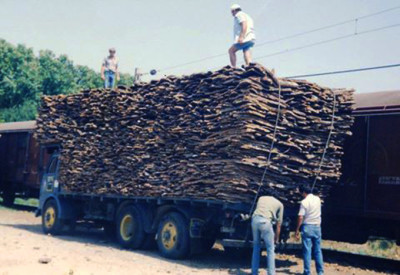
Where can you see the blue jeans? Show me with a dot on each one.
(244, 46)
(311, 239)
(110, 79)
(262, 228)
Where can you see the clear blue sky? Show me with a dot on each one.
(158, 34)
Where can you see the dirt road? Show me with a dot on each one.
(23, 247)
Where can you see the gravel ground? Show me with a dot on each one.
(24, 249)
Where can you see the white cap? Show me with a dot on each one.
(235, 7)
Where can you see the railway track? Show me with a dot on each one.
(345, 258)
(362, 261)
(332, 256)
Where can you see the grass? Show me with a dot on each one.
(376, 247)
(27, 202)
(24, 202)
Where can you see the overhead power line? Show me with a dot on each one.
(283, 38)
(347, 71)
(322, 42)
(325, 27)
(328, 41)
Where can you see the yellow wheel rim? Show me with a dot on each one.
(49, 217)
(169, 234)
(126, 228)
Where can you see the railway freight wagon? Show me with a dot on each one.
(366, 200)
(20, 156)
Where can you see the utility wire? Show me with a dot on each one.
(348, 71)
(325, 27)
(322, 42)
(284, 38)
(328, 41)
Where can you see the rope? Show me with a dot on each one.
(273, 143)
(327, 142)
(270, 150)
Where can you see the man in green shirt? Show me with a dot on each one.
(268, 211)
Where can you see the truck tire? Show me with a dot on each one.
(173, 236)
(8, 197)
(51, 223)
(130, 232)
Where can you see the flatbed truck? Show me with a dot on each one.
(178, 226)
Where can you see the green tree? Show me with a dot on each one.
(19, 80)
(125, 79)
(87, 78)
(24, 78)
(57, 74)
(25, 111)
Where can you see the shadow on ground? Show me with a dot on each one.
(19, 207)
(231, 262)
(214, 259)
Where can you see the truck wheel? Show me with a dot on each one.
(8, 197)
(51, 223)
(173, 236)
(130, 232)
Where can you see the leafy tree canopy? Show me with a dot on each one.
(25, 77)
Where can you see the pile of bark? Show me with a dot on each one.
(205, 136)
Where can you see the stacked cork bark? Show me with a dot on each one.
(204, 136)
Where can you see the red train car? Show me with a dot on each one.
(366, 201)
(19, 161)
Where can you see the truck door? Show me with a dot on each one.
(50, 181)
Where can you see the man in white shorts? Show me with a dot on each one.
(243, 35)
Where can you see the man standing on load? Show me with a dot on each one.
(309, 221)
(268, 211)
(109, 69)
(243, 35)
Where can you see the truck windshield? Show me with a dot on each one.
(53, 165)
